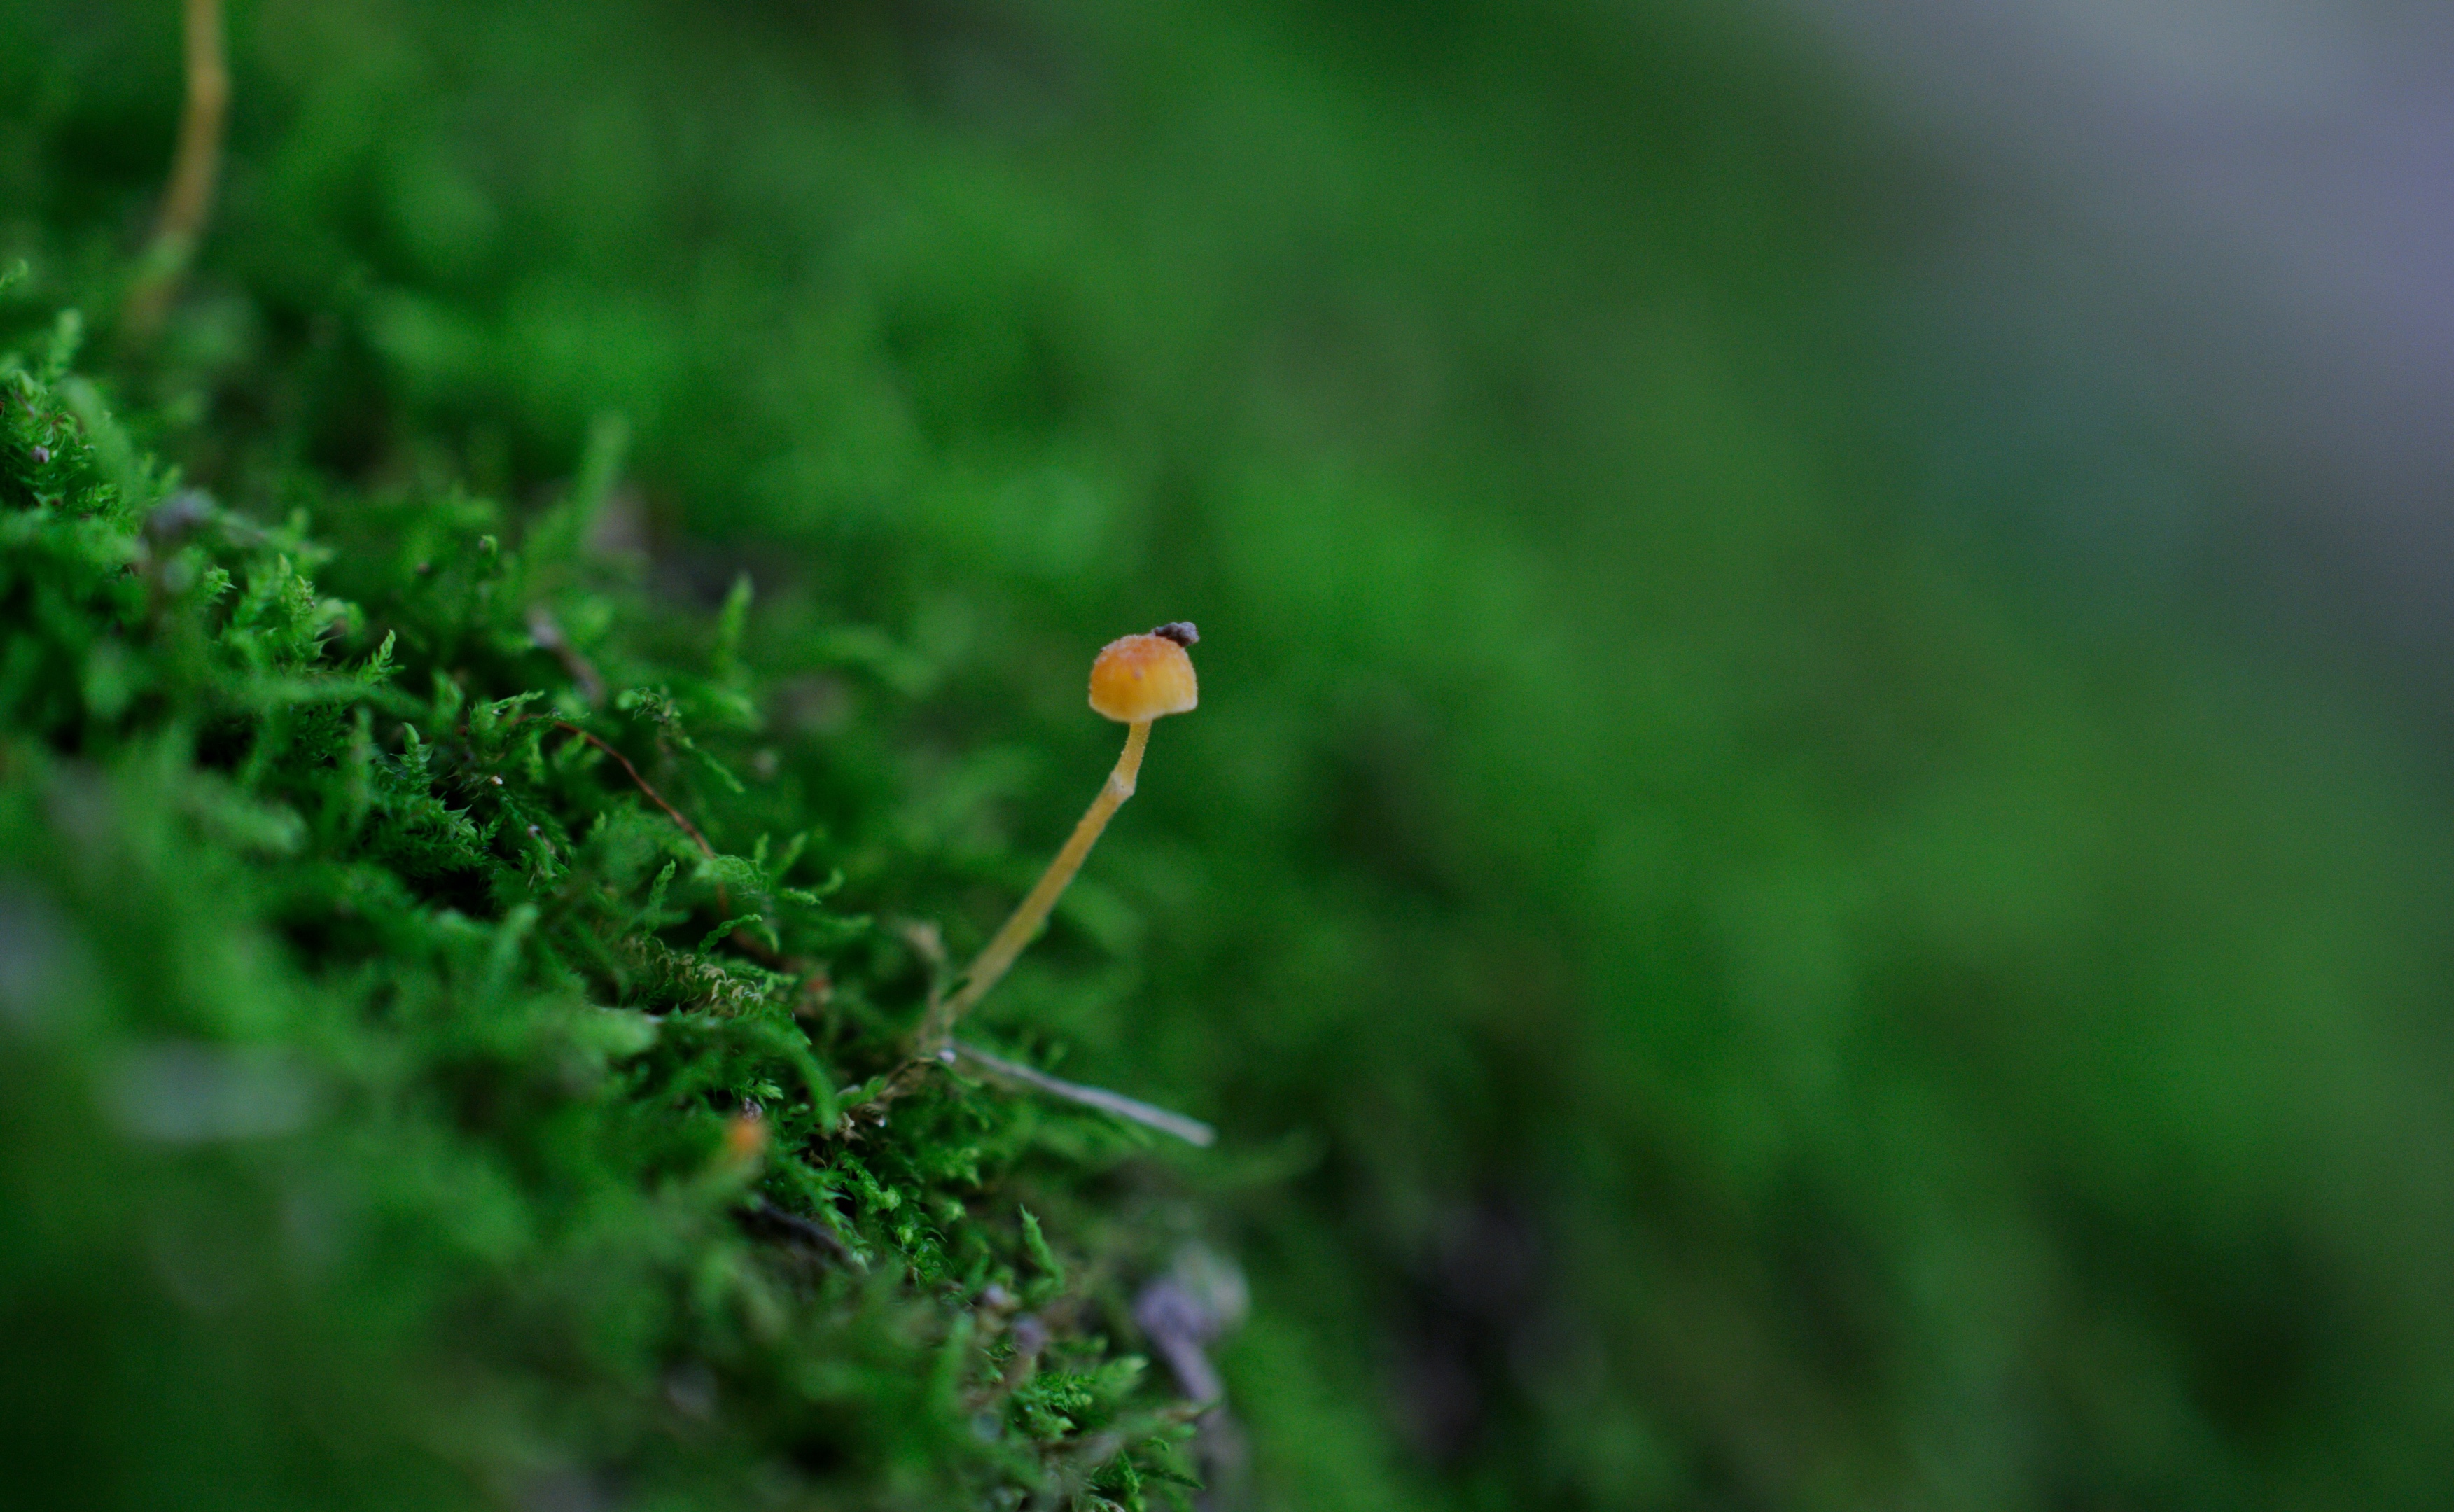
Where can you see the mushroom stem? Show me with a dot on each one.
(1032, 911)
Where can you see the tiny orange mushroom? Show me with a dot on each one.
(1144, 677)
(1136, 680)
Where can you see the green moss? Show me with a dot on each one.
(1714, 990)
(380, 927)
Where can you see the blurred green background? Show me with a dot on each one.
(1726, 984)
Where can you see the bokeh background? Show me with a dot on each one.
(1815, 872)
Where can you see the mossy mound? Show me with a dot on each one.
(490, 1093)
(1749, 940)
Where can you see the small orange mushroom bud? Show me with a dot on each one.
(1144, 677)
(745, 1137)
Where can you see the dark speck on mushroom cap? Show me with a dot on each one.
(1179, 631)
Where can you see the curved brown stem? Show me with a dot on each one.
(654, 797)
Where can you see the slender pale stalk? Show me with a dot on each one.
(1192, 1131)
(1032, 911)
(195, 165)
(197, 160)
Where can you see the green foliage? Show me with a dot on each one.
(436, 1052)
(1711, 996)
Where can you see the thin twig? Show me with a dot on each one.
(723, 898)
(195, 166)
(654, 797)
(1192, 1131)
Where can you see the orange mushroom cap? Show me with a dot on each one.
(1142, 677)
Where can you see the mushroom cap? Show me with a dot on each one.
(1142, 677)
